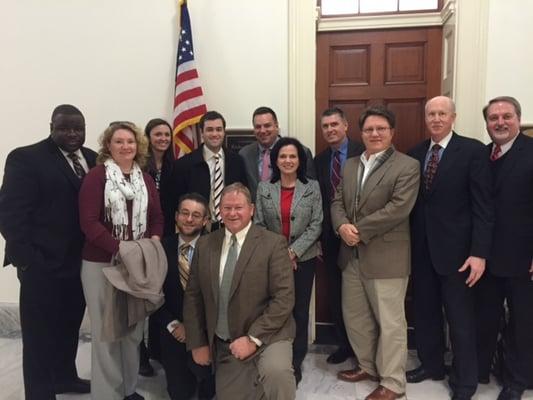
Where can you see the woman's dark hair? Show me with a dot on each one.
(302, 159)
(168, 156)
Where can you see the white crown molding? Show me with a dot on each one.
(387, 21)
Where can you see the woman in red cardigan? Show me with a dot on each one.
(117, 202)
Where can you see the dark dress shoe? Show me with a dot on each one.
(382, 393)
(355, 375)
(457, 396)
(76, 386)
(509, 393)
(339, 356)
(146, 369)
(421, 374)
(134, 396)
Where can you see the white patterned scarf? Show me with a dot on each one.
(117, 191)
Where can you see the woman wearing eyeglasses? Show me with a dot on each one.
(118, 202)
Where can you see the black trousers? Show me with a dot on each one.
(184, 376)
(51, 311)
(303, 286)
(330, 248)
(433, 292)
(491, 292)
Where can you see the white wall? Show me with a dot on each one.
(116, 60)
(509, 55)
(493, 59)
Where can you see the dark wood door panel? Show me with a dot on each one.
(398, 66)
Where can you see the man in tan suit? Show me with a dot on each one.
(238, 305)
(370, 212)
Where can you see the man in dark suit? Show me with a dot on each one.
(207, 169)
(256, 155)
(451, 229)
(510, 265)
(238, 305)
(39, 221)
(183, 375)
(329, 165)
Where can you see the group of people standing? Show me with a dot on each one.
(241, 234)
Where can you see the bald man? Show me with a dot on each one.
(451, 232)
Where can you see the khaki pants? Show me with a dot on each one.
(266, 376)
(114, 365)
(374, 315)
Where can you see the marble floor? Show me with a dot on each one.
(319, 380)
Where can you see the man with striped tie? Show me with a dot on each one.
(208, 168)
(183, 375)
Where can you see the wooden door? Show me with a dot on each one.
(398, 68)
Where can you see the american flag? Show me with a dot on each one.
(189, 104)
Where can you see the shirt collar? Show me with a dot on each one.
(262, 148)
(208, 154)
(444, 142)
(372, 157)
(66, 153)
(507, 146)
(241, 235)
(343, 148)
(192, 243)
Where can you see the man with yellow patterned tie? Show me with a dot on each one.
(183, 375)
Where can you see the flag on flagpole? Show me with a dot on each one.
(189, 104)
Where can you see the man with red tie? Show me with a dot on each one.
(510, 265)
(329, 164)
(451, 231)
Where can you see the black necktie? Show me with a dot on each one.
(78, 169)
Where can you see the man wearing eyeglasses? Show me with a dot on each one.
(370, 212)
(451, 230)
(184, 377)
(40, 223)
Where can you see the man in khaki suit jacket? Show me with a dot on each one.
(250, 339)
(370, 212)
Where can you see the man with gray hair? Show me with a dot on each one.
(451, 232)
(510, 265)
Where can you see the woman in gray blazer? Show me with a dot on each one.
(290, 204)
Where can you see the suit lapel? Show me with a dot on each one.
(275, 196)
(62, 164)
(248, 247)
(215, 250)
(299, 191)
(509, 162)
(326, 173)
(349, 181)
(374, 179)
(447, 161)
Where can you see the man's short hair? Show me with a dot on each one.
(505, 99)
(66, 109)
(197, 197)
(379, 111)
(239, 188)
(265, 110)
(333, 111)
(211, 116)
